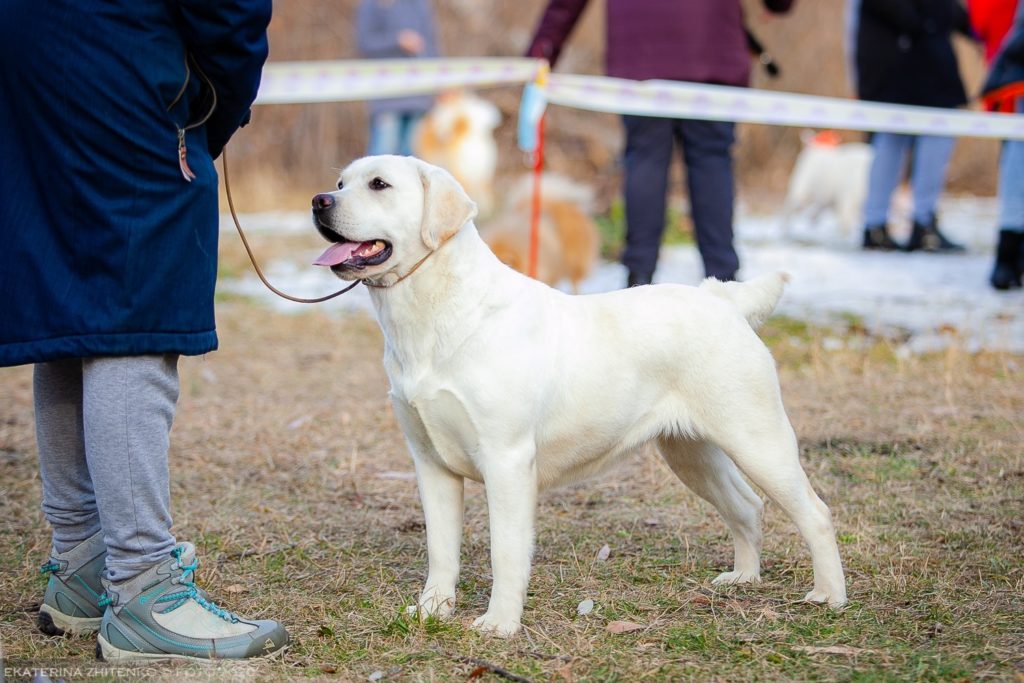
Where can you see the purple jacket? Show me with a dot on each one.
(681, 40)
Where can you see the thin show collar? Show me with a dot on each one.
(413, 269)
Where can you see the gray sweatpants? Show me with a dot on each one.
(103, 430)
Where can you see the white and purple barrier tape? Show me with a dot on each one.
(747, 105)
(340, 81)
(350, 81)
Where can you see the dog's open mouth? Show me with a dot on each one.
(358, 255)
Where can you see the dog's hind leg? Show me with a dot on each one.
(764, 447)
(849, 210)
(705, 469)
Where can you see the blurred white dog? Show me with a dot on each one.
(828, 175)
(457, 134)
(498, 378)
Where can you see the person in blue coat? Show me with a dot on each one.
(112, 112)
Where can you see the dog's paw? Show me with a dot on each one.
(821, 597)
(497, 626)
(732, 578)
(432, 605)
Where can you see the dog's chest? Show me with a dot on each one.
(439, 427)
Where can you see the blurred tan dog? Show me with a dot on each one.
(568, 239)
(457, 134)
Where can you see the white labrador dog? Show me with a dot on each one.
(828, 175)
(501, 379)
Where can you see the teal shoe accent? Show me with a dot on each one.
(73, 591)
(163, 615)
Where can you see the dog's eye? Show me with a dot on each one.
(340, 185)
(378, 184)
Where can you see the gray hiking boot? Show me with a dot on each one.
(161, 615)
(72, 595)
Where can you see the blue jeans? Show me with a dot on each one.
(707, 152)
(1011, 166)
(391, 132)
(1012, 185)
(927, 175)
(1011, 182)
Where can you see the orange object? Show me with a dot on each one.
(538, 167)
(827, 138)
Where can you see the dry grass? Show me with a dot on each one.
(291, 477)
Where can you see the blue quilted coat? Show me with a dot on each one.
(108, 239)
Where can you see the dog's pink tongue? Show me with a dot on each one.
(337, 253)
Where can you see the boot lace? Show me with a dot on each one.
(191, 591)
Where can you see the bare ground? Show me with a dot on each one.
(291, 477)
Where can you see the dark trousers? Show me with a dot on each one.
(708, 158)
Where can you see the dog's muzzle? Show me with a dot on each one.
(345, 254)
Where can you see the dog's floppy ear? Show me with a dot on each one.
(446, 206)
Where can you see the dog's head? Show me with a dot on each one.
(387, 214)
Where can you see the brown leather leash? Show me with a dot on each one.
(259, 271)
(252, 258)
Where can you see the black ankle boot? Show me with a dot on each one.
(636, 279)
(926, 237)
(1009, 260)
(877, 237)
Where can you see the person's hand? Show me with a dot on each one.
(411, 42)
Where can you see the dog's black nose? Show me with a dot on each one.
(323, 201)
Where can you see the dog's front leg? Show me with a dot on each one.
(511, 484)
(441, 493)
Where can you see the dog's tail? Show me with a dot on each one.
(755, 298)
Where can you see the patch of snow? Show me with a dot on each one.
(923, 301)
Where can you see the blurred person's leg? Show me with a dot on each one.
(128, 408)
(889, 153)
(1008, 269)
(927, 179)
(385, 133)
(407, 127)
(928, 174)
(1011, 186)
(649, 144)
(707, 151)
